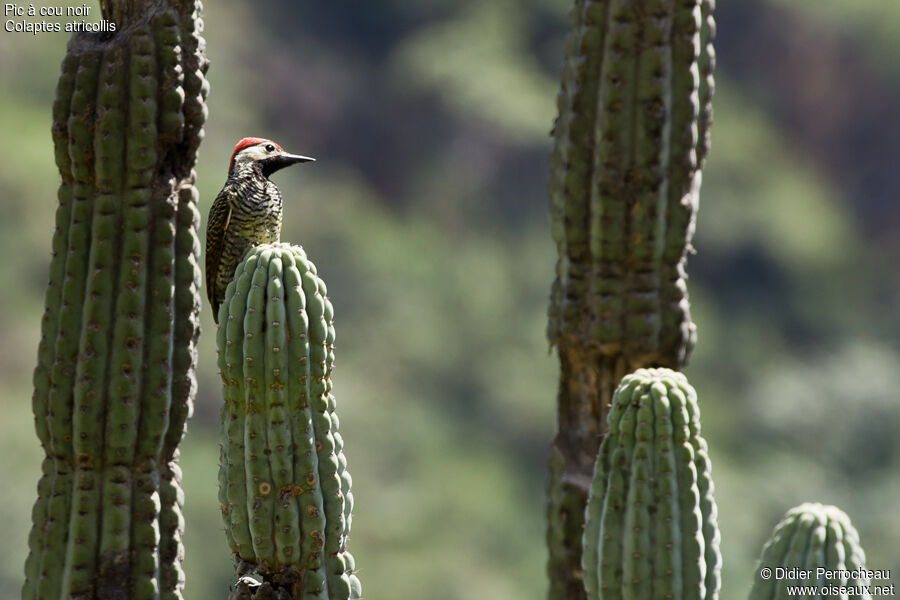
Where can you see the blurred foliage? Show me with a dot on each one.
(479, 65)
(426, 215)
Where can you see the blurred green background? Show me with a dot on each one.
(426, 213)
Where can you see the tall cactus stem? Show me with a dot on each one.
(630, 138)
(114, 381)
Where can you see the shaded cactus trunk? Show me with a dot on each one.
(630, 141)
(651, 529)
(812, 536)
(284, 487)
(115, 376)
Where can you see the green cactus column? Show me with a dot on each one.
(809, 537)
(284, 487)
(630, 141)
(115, 376)
(650, 526)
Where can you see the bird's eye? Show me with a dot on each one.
(270, 148)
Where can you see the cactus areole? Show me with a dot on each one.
(650, 525)
(284, 487)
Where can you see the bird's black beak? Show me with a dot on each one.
(276, 163)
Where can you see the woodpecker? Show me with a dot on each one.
(247, 212)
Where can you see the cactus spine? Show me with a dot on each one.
(283, 482)
(650, 524)
(630, 140)
(115, 376)
(812, 536)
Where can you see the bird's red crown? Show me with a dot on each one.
(246, 142)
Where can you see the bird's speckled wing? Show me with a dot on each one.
(216, 228)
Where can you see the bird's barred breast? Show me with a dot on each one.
(255, 219)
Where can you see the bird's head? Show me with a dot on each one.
(264, 154)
